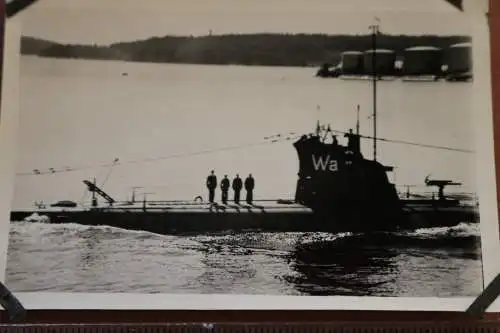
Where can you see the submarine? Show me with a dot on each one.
(338, 189)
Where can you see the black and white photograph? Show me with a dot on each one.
(274, 148)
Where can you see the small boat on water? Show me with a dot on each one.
(326, 72)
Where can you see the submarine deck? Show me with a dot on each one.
(262, 207)
(179, 207)
(263, 216)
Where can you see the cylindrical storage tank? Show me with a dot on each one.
(352, 62)
(384, 62)
(458, 58)
(422, 60)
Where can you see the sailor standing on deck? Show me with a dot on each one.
(237, 186)
(249, 186)
(211, 185)
(224, 186)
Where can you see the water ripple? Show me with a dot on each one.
(71, 257)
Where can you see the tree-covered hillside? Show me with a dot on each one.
(249, 49)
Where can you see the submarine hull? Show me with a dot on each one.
(337, 190)
(247, 219)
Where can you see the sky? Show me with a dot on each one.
(109, 21)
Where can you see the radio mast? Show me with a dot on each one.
(375, 30)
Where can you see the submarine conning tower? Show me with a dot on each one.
(339, 183)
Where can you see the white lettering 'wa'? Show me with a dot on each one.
(324, 163)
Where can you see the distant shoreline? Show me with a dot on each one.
(277, 50)
(168, 63)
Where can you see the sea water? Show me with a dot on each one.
(440, 262)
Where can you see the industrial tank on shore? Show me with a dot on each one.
(458, 58)
(385, 62)
(351, 63)
(422, 60)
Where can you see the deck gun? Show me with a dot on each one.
(441, 184)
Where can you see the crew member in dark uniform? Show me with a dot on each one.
(211, 185)
(224, 186)
(237, 186)
(249, 186)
